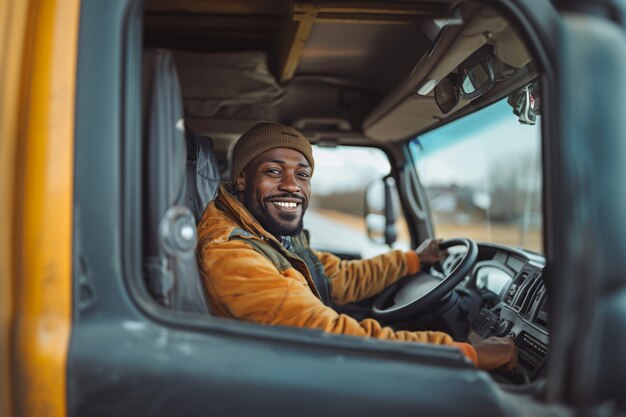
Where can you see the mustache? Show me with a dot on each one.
(287, 195)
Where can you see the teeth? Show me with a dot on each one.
(285, 204)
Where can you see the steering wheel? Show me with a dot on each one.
(422, 291)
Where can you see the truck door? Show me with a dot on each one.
(585, 208)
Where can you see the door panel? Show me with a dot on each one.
(586, 206)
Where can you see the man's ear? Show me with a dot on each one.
(240, 183)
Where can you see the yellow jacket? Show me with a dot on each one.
(245, 284)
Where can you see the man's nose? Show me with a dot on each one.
(289, 184)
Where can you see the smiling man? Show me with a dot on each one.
(257, 265)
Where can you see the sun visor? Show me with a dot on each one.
(237, 81)
(411, 106)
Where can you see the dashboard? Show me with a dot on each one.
(516, 305)
(503, 295)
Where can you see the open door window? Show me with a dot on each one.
(394, 77)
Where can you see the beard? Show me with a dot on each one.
(269, 223)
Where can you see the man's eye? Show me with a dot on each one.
(304, 174)
(273, 171)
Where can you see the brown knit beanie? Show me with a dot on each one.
(265, 136)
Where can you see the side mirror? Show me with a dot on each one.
(381, 212)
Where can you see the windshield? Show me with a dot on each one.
(335, 215)
(482, 175)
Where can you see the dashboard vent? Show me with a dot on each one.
(512, 291)
(526, 283)
(528, 296)
(530, 300)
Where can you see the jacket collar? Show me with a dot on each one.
(227, 202)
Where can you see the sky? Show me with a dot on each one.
(466, 151)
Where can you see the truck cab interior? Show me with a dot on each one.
(392, 97)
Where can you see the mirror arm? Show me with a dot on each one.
(391, 232)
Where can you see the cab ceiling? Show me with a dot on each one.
(289, 32)
(336, 60)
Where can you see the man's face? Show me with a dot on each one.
(276, 189)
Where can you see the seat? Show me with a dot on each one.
(203, 173)
(181, 176)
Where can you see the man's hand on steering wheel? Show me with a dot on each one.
(421, 292)
(430, 253)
